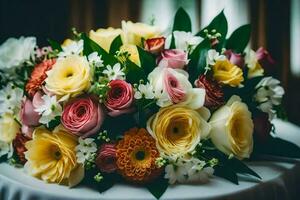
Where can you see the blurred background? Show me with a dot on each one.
(275, 25)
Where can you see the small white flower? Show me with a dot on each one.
(213, 56)
(74, 48)
(114, 72)
(269, 93)
(144, 91)
(184, 40)
(85, 149)
(49, 109)
(95, 60)
(14, 52)
(188, 170)
(6, 149)
(10, 99)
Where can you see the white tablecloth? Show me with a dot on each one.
(280, 181)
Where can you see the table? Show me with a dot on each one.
(280, 180)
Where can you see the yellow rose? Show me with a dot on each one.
(52, 157)
(134, 32)
(8, 128)
(134, 54)
(104, 37)
(69, 76)
(232, 128)
(255, 69)
(227, 73)
(178, 129)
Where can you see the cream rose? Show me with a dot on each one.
(178, 129)
(69, 76)
(133, 51)
(232, 128)
(134, 32)
(104, 37)
(171, 86)
(8, 128)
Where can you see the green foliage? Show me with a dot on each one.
(54, 45)
(219, 23)
(158, 186)
(239, 39)
(182, 21)
(147, 60)
(54, 123)
(197, 62)
(90, 46)
(115, 45)
(133, 72)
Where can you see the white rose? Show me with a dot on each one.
(14, 52)
(232, 128)
(171, 86)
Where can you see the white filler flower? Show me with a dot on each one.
(114, 72)
(269, 93)
(6, 149)
(74, 48)
(213, 56)
(10, 99)
(85, 149)
(49, 109)
(144, 91)
(184, 40)
(95, 60)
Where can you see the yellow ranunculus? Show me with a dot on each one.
(134, 54)
(52, 157)
(178, 129)
(69, 76)
(134, 32)
(104, 37)
(227, 73)
(8, 128)
(67, 42)
(232, 128)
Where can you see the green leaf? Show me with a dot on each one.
(54, 123)
(239, 39)
(90, 46)
(227, 173)
(158, 187)
(115, 45)
(134, 73)
(198, 60)
(54, 45)
(278, 147)
(147, 60)
(182, 21)
(241, 168)
(219, 23)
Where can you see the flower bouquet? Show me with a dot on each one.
(137, 106)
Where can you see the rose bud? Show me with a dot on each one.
(119, 98)
(265, 60)
(214, 42)
(83, 116)
(214, 94)
(262, 127)
(106, 159)
(173, 58)
(27, 114)
(19, 147)
(235, 58)
(155, 45)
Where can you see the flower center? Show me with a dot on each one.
(80, 111)
(117, 92)
(56, 153)
(140, 155)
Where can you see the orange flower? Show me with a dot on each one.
(136, 155)
(38, 76)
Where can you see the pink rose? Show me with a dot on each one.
(155, 45)
(176, 93)
(82, 116)
(265, 60)
(173, 58)
(119, 98)
(106, 159)
(27, 114)
(235, 58)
